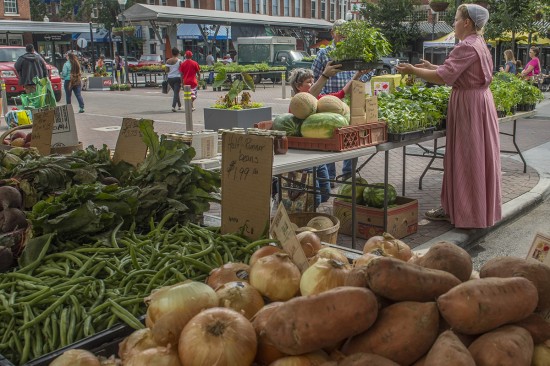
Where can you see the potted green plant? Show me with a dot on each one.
(439, 5)
(361, 48)
(128, 30)
(235, 109)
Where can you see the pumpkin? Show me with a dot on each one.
(303, 105)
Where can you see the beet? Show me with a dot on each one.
(10, 197)
(109, 180)
(6, 259)
(12, 219)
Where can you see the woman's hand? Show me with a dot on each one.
(360, 73)
(425, 64)
(332, 69)
(404, 68)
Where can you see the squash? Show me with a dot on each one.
(330, 103)
(303, 105)
(322, 125)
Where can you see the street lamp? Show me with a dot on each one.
(122, 4)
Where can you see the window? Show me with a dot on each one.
(323, 9)
(274, 7)
(196, 4)
(163, 2)
(314, 9)
(246, 6)
(332, 10)
(151, 2)
(286, 10)
(10, 7)
(181, 4)
(232, 5)
(153, 48)
(219, 5)
(151, 33)
(297, 8)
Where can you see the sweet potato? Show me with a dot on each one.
(403, 281)
(403, 333)
(362, 359)
(537, 327)
(447, 257)
(448, 350)
(533, 270)
(266, 353)
(308, 323)
(506, 346)
(478, 306)
(421, 361)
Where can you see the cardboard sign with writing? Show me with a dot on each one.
(64, 128)
(281, 229)
(357, 105)
(129, 145)
(42, 128)
(247, 164)
(372, 109)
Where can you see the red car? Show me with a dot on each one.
(8, 57)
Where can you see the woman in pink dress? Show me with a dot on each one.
(471, 192)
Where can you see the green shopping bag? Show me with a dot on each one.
(43, 97)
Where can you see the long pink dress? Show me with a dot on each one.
(471, 193)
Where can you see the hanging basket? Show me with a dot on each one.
(485, 4)
(438, 6)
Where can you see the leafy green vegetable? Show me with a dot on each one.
(361, 41)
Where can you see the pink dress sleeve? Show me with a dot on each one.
(460, 58)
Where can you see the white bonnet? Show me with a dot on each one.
(478, 14)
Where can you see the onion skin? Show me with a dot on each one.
(324, 275)
(264, 252)
(229, 272)
(76, 357)
(138, 341)
(364, 260)
(266, 353)
(276, 277)
(218, 336)
(330, 253)
(171, 307)
(310, 243)
(318, 358)
(241, 297)
(389, 245)
(159, 356)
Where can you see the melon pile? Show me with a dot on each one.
(313, 118)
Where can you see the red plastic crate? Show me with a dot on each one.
(343, 139)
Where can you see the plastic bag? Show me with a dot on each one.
(18, 117)
(43, 97)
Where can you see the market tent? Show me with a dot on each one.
(445, 42)
(536, 39)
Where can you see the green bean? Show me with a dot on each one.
(88, 328)
(113, 235)
(55, 329)
(27, 337)
(125, 315)
(8, 330)
(31, 266)
(49, 310)
(71, 330)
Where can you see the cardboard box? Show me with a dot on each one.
(384, 83)
(205, 144)
(402, 219)
(357, 120)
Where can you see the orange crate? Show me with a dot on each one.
(344, 138)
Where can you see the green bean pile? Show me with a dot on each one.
(63, 297)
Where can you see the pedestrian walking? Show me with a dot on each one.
(189, 70)
(28, 66)
(174, 77)
(471, 192)
(118, 68)
(210, 62)
(72, 80)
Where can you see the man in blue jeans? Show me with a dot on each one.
(335, 84)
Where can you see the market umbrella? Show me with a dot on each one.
(507, 37)
(321, 43)
(537, 39)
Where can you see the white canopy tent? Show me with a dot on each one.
(445, 43)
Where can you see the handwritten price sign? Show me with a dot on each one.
(247, 163)
(129, 145)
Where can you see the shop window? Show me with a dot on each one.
(219, 5)
(153, 48)
(151, 33)
(286, 10)
(10, 7)
(323, 9)
(163, 2)
(275, 7)
(196, 4)
(246, 6)
(182, 3)
(314, 9)
(332, 10)
(232, 5)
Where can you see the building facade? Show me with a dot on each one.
(14, 10)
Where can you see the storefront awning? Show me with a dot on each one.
(192, 31)
(20, 26)
(101, 35)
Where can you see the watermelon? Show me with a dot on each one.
(345, 190)
(287, 122)
(322, 125)
(374, 195)
(303, 105)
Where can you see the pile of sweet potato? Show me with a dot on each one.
(428, 310)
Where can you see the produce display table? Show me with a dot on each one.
(149, 77)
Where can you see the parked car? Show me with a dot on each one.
(146, 60)
(389, 66)
(8, 57)
(132, 61)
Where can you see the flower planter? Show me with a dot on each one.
(99, 83)
(407, 136)
(215, 118)
(438, 6)
(352, 65)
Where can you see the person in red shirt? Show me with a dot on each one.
(189, 70)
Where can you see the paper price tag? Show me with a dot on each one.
(129, 145)
(281, 229)
(42, 129)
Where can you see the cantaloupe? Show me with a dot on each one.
(330, 103)
(320, 223)
(303, 105)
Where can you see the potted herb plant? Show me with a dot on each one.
(235, 109)
(361, 48)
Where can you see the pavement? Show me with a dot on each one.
(521, 192)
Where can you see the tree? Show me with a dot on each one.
(396, 20)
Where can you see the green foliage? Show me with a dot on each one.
(361, 41)
(234, 99)
(509, 90)
(396, 20)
